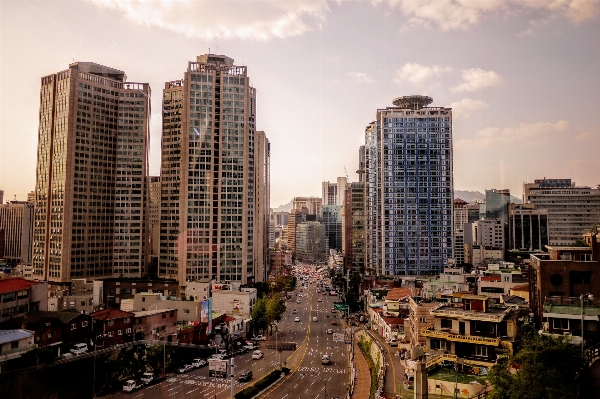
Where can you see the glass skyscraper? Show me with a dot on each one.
(409, 188)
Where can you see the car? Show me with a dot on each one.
(216, 357)
(334, 323)
(257, 355)
(245, 376)
(298, 301)
(333, 310)
(315, 319)
(185, 368)
(325, 359)
(297, 319)
(294, 311)
(199, 363)
(320, 300)
(147, 378)
(250, 346)
(259, 338)
(330, 331)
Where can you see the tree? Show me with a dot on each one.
(267, 310)
(548, 368)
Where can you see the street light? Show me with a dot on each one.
(319, 378)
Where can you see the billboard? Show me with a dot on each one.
(217, 368)
(209, 328)
(339, 306)
(338, 337)
(204, 312)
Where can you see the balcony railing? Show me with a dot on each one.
(469, 314)
(430, 332)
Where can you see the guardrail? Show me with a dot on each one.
(430, 332)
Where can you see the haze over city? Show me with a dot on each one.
(522, 77)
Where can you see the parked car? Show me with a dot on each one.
(147, 378)
(216, 356)
(199, 363)
(250, 346)
(132, 385)
(79, 349)
(259, 338)
(333, 310)
(257, 355)
(185, 368)
(297, 319)
(245, 375)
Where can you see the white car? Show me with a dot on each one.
(259, 338)
(297, 319)
(330, 331)
(257, 355)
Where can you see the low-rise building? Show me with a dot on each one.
(13, 344)
(187, 311)
(419, 317)
(565, 316)
(113, 327)
(444, 284)
(19, 296)
(476, 332)
(56, 328)
(156, 325)
(198, 290)
(233, 300)
(117, 289)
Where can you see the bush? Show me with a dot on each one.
(263, 383)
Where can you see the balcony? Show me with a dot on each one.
(430, 332)
(493, 314)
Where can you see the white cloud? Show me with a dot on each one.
(534, 134)
(360, 77)
(476, 78)
(258, 20)
(463, 14)
(417, 73)
(464, 107)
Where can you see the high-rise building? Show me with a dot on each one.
(354, 228)
(1, 196)
(409, 188)
(310, 242)
(294, 219)
(527, 227)
(208, 174)
(92, 164)
(332, 220)
(154, 216)
(333, 193)
(571, 210)
(496, 204)
(30, 197)
(262, 220)
(16, 219)
(313, 205)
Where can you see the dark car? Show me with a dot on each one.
(245, 376)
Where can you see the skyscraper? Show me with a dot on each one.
(263, 206)
(496, 204)
(409, 188)
(208, 174)
(16, 219)
(92, 164)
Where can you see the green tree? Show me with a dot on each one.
(259, 314)
(548, 368)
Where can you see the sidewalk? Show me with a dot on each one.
(362, 382)
(394, 372)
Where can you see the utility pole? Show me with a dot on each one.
(232, 378)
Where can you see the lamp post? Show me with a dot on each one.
(319, 378)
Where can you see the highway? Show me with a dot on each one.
(309, 376)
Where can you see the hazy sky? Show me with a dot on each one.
(522, 77)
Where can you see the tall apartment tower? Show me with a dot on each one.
(154, 216)
(16, 219)
(92, 164)
(409, 188)
(262, 220)
(209, 174)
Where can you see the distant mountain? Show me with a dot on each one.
(285, 208)
(471, 196)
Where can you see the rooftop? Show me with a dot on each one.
(15, 284)
(110, 314)
(7, 336)
(145, 313)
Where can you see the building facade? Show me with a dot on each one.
(208, 174)
(333, 222)
(311, 245)
(409, 198)
(527, 227)
(496, 204)
(92, 164)
(16, 219)
(354, 228)
(262, 220)
(334, 193)
(154, 216)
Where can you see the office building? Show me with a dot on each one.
(409, 188)
(294, 219)
(527, 227)
(333, 193)
(571, 210)
(209, 211)
(16, 219)
(92, 163)
(313, 205)
(311, 242)
(354, 228)
(333, 222)
(154, 216)
(496, 204)
(30, 197)
(1, 196)
(263, 207)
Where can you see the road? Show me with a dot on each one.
(311, 378)
(197, 384)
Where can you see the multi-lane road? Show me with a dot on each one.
(308, 379)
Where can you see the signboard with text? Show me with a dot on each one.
(217, 368)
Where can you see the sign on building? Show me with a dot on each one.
(217, 368)
(338, 337)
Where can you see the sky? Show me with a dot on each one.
(522, 77)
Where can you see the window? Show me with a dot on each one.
(481, 350)
(14, 345)
(84, 324)
(111, 322)
(164, 315)
(82, 303)
(126, 320)
(143, 299)
(422, 319)
(560, 324)
(73, 326)
(446, 323)
(128, 331)
(186, 311)
(120, 332)
(440, 344)
(110, 334)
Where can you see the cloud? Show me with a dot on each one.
(463, 14)
(417, 73)
(256, 20)
(535, 134)
(360, 77)
(464, 107)
(476, 78)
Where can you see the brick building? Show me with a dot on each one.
(113, 326)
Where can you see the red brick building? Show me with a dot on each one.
(113, 327)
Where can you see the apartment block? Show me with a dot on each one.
(154, 216)
(16, 219)
(92, 164)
